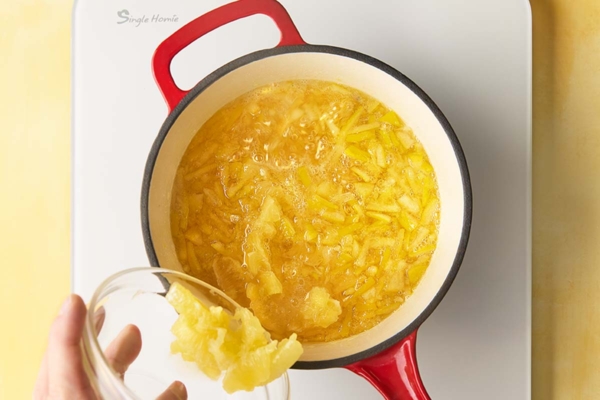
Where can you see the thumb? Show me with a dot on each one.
(66, 376)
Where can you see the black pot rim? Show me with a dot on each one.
(462, 163)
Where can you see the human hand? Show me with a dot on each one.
(62, 375)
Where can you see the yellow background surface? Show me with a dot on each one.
(34, 182)
(35, 192)
(566, 199)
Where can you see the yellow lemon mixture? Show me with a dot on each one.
(309, 202)
(236, 347)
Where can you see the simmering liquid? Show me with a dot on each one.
(311, 203)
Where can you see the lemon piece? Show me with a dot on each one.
(410, 204)
(379, 216)
(416, 272)
(365, 127)
(361, 174)
(333, 128)
(269, 283)
(236, 346)
(416, 160)
(430, 211)
(406, 140)
(360, 136)
(287, 353)
(333, 216)
(317, 203)
(320, 309)
(304, 176)
(407, 221)
(270, 211)
(252, 335)
(194, 346)
(185, 303)
(192, 258)
(357, 154)
(391, 118)
(311, 233)
(287, 227)
(252, 369)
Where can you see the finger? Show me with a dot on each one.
(41, 383)
(176, 391)
(66, 376)
(124, 349)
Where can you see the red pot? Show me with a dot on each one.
(385, 354)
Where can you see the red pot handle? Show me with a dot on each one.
(394, 372)
(208, 22)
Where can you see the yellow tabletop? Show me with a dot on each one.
(34, 182)
(35, 192)
(566, 199)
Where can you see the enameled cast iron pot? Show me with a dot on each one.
(385, 354)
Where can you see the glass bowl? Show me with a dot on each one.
(137, 297)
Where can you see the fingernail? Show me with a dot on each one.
(65, 306)
(179, 390)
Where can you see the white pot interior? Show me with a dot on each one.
(362, 76)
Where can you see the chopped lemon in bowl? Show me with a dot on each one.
(236, 345)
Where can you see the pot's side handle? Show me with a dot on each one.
(394, 371)
(208, 22)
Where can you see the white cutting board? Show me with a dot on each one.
(473, 57)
